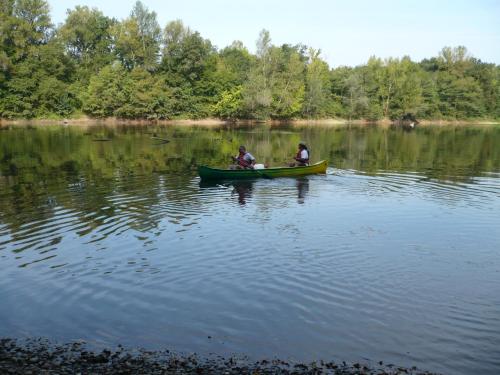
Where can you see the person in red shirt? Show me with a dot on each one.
(244, 160)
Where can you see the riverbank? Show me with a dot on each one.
(88, 121)
(38, 356)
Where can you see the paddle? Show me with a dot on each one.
(262, 174)
(258, 171)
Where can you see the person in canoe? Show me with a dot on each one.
(302, 157)
(244, 160)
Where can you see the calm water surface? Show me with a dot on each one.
(107, 235)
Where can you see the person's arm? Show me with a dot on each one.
(304, 156)
(251, 160)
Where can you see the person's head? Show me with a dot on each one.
(243, 149)
(302, 146)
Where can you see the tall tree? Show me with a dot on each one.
(287, 84)
(149, 33)
(137, 39)
(34, 25)
(189, 62)
(318, 86)
(256, 92)
(145, 96)
(456, 60)
(376, 87)
(234, 64)
(488, 77)
(407, 98)
(186, 54)
(7, 47)
(460, 94)
(86, 35)
(38, 78)
(105, 94)
(354, 98)
(429, 108)
(459, 97)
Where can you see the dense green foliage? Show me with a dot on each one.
(133, 68)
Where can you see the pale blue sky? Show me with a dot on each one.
(347, 32)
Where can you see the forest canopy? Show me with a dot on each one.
(136, 68)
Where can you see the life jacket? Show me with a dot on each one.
(242, 161)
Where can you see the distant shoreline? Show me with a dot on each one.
(88, 121)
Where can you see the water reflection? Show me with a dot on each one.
(302, 189)
(243, 189)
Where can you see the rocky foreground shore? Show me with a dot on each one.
(38, 356)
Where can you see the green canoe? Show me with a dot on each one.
(207, 173)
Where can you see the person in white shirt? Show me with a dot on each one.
(302, 157)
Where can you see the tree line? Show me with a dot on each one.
(133, 68)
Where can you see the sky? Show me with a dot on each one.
(346, 32)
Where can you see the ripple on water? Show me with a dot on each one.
(384, 266)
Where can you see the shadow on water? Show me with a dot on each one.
(302, 189)
(244, 189)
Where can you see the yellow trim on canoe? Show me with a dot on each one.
(207, 173)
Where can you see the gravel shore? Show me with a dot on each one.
(38, 356)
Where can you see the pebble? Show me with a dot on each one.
(38, 357)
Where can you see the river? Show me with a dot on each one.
(107, 235)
